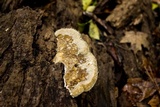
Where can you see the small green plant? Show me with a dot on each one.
(89, 6)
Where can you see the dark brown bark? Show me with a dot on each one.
(28, 77)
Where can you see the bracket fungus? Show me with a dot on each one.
(80, 65)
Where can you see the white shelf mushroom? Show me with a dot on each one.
(81, 70)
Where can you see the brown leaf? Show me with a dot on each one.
(155, 101)
(139, 89)
(137, 39)
(156, 1)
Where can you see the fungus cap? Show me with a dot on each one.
(81, 70)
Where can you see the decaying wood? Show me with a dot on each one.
(9, 4)
(126, 12)
(28, 77)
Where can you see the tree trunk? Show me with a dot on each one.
(29, 78)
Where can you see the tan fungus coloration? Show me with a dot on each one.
(81, 70)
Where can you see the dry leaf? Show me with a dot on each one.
(155, 101)
(156, 1)
(138, 19)
(137, 39)
(138, 89)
